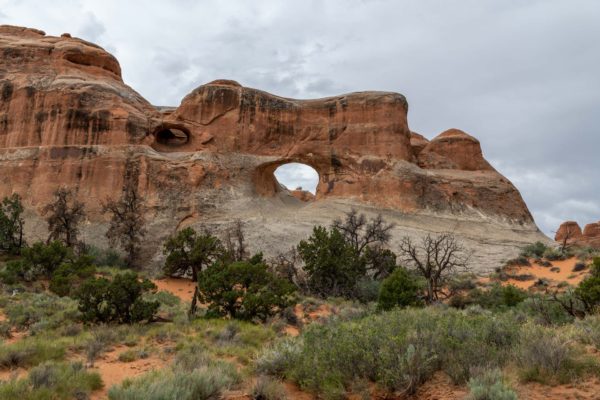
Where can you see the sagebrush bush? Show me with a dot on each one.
(278, 358)
(398, 349)
(553, 254)
(202, 383)
(56, 381)
(544, 353)
(490, 385)
(267, 388)
(28, 309)
(588, 330)
(497, 297)
(534, 250)
(30, 352)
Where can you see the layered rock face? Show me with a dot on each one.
(67, 119)
(571, 232)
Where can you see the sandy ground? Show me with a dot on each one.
(114, 371)
(564, 274)
(182, 288)
(584, 390)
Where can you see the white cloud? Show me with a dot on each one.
(294, 175)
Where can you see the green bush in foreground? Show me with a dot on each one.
(30, 352)
(490, 385)
(56, 381)
(194, 376)
(401, 349)
(267, 388)
(398, 349)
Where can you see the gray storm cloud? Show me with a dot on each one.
(520, 75)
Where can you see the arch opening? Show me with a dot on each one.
(301, 180)
(172, 137)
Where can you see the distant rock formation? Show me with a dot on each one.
(302, 195)
(67, 119)
(571, 232)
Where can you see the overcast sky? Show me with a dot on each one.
(522, 76)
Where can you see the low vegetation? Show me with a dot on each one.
(339, 314)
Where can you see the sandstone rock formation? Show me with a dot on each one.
(67, 119)
(571, 232)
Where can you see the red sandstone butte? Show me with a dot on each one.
(571, 231)
(68, 119)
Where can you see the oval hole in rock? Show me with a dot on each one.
(172, 137)
(300, 179)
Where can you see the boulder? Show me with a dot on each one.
(454, 149)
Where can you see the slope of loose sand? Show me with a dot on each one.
(563, 274)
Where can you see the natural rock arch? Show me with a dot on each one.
(68, 119)
(266, 184)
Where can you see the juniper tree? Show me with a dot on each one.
(11, 224)
(63, 216)
(127, 223)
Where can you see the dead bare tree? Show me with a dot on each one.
(361, 233)
(64, 215)
(286, 266)
(564, 243)
(235, 241)
(127, 222)
(437, 259)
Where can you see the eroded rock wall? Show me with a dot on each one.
(67, 119)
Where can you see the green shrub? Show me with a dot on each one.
(267, 388)
(189, 252)
(497, 297)
(544, 310)
(56, 381)
(44, 259)
(16, 271)
(589, 330)
(30, 352)
(185, 381)
(588, 291)
(68, 276)
(41, 311)
(11, 224)
(116, 301)
(278, 358)
(553, 254)
(332, 265)
(400, 289)
(243, 290)
(105, 257)
(534, 250)
(543, 353)
(399, 349)
(367, 290)
(490, 385)
(5, 330)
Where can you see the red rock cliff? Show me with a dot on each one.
(67, 119)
